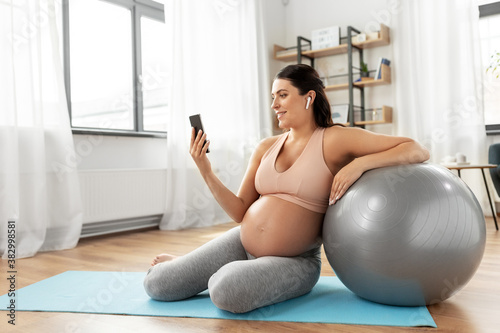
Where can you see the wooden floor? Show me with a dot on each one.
(474, 309)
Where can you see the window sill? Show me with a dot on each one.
(95, 131)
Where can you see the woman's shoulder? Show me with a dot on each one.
(334, 131)
(266, 143)
(339, 138)
(263, 146)
(337, 130)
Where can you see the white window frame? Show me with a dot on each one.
(138, 9)
(488, 10)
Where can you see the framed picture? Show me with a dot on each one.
(339, 113)
(326, 37)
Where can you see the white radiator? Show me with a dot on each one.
(120, 200)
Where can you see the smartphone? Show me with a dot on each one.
(197, 124)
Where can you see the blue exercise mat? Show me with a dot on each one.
(123, 293)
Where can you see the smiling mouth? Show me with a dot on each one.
(280, 114)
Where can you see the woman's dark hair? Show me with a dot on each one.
(305, 78)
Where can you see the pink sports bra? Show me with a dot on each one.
(306, 183)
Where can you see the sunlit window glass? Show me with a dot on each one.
(490, 49)
(155, 74)
(101, 65)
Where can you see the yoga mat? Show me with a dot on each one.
(123, 293)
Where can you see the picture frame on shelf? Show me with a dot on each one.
(340, 113)
(325, 38)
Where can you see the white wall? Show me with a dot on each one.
(275, 28)
(118, 152)
(304, 16)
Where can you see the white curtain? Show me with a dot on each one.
(39, 189)
(437, 78)
(220, 71)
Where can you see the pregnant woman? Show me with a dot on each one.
(290, 181)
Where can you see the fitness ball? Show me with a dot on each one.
(405, 235)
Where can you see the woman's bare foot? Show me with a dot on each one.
(161, 258)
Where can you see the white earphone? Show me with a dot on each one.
(308, 102)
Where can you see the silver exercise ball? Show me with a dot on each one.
(405, 235)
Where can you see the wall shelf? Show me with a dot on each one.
(384, 118)
(342, 48)
(288, 56)
(371, 82)
(383, 39)
(384, 79)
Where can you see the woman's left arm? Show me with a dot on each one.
(370, 151)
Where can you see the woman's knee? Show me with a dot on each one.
(160, 286)
(227, 293)
(152, 285)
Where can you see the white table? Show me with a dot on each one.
(459, 167)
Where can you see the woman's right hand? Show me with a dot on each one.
(198, 150)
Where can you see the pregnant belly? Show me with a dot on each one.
(275, 227)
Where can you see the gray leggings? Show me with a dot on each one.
(237, 281)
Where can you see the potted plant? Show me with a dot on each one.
(364, 70)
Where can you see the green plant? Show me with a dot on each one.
(494, 64)
(364, 70)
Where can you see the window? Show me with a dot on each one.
(489, 30)
(155, 74)
(116, 59)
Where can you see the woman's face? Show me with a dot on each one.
(288, 104)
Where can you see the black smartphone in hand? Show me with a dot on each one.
(197, 124)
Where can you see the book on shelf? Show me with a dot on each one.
(378, 73)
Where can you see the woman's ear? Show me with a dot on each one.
(311, 95)
(308, 102)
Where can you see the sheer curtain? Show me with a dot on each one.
(39, 189)
(437, 78)
(219, 71)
